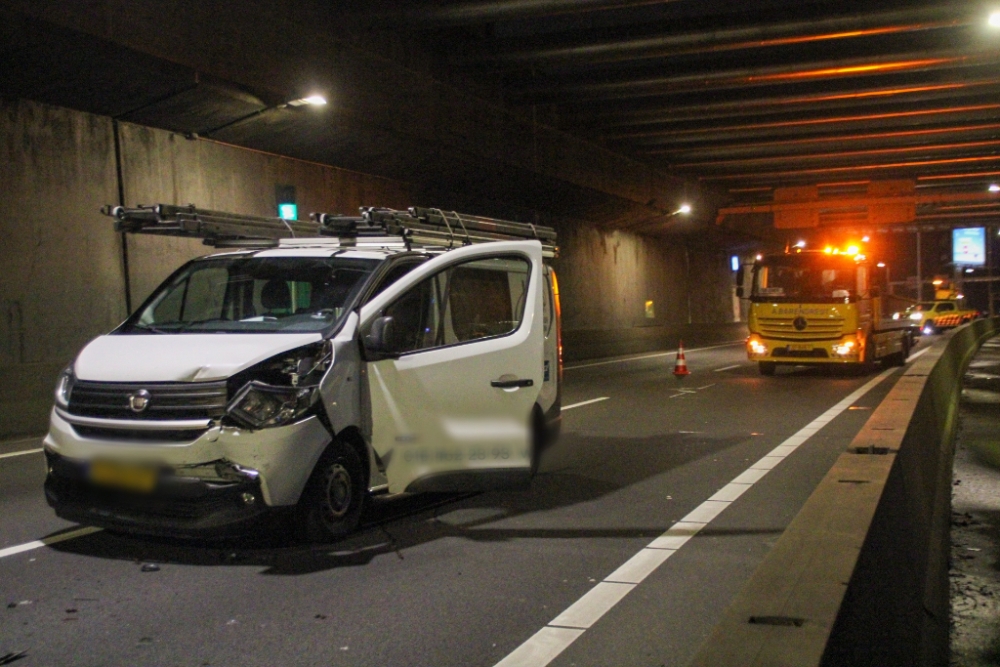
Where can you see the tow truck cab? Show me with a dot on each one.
(297, 377)
(819, 308)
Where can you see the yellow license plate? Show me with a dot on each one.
(123, 476)
(800, 347)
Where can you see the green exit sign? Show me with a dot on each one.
(287, 208)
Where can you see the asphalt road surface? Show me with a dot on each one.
(570, 572)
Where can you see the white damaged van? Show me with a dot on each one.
(311, 365)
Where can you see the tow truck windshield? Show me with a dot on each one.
(804, 277)
(252, 295)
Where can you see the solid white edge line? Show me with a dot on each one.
(21, 453)
(38, 544)
(543, 647)
(727, 368)
(640, 566)
(650, 356)
(595, 603)
(583, 403)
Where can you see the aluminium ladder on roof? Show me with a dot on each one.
(421, 226)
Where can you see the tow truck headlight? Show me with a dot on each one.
(916, 316)
(261, 405)
(756, 345)
(64, 386)
(846, 348)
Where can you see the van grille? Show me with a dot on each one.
(783, 328)
(167, 401)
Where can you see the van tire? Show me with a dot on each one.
(540, 438)
(331, 504)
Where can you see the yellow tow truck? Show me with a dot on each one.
(820, 307)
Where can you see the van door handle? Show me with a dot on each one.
(512, 384)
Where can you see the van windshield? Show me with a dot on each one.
(253, 295)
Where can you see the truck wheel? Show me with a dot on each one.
(334, 496)
(903, 354)
(767, 367)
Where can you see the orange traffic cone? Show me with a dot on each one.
(681, 367)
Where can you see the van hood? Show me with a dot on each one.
(180, 357)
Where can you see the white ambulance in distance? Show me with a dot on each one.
(397, 351)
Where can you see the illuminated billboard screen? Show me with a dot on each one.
(968, 246)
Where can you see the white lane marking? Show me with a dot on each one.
(583, 403)
(640, 566)
(595, 603)
(731, 491)
(650, 356)
(706, 386)
(677, 536)
(21, 453)
(705, 512)
(38, 544)
(727, 368)
(542, 648)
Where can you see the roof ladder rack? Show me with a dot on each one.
(435, 227)
(421, 226)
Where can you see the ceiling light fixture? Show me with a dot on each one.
(312, 100)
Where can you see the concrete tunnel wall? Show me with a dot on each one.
(63, 280)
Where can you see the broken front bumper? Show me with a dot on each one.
(208, 481)
(178, 506)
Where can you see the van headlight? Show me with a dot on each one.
(64, 386)
(279, 390)
(916, 316)
(261, 405)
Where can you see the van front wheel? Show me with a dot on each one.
(332, 501)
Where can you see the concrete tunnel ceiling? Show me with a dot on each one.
(722, 102)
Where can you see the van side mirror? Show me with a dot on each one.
(379, 342)
(740, 277)
(739, 291)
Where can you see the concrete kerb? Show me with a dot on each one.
(860, 577)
